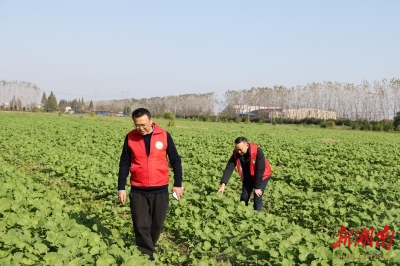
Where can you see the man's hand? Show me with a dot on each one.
(122, 197)
(222, 188)
(178, 191)
(258, 192)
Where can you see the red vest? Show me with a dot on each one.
(253, 155)
(152, 170)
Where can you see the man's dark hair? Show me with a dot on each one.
(141, 112)
(241, 139)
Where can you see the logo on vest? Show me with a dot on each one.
(159, 145)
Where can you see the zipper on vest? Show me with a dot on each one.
(148, 175)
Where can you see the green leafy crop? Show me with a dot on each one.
(58, 199)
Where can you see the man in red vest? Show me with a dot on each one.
(144, 155)
(253, 168)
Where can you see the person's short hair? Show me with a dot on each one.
(141, 112)
(240, 140)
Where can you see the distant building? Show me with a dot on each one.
(279, 112)
(103, 112)
(269, 112)
(244, 109)
(303, 113)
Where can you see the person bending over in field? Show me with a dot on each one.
(254, 170)
(144, 155)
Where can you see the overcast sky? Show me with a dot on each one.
(141, 49)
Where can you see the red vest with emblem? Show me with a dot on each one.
(252, 160)
(152, 170)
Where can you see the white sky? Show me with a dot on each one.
(141, 49)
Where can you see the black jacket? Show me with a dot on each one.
(244, 162)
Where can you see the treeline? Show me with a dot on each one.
(344, 123)
(18, 95)
(180, 105)
(24, 96)
(49, 104)
(76, 105)
(366, 101)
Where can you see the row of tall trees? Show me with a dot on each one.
(77, 105)
(18, 95)
(49, 104)
(367, 101)
(24, 96)
(370, 101)
(181, 105)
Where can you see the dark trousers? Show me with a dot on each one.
(148, 216)
(248, 186)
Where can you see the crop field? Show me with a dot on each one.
(59, 206)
